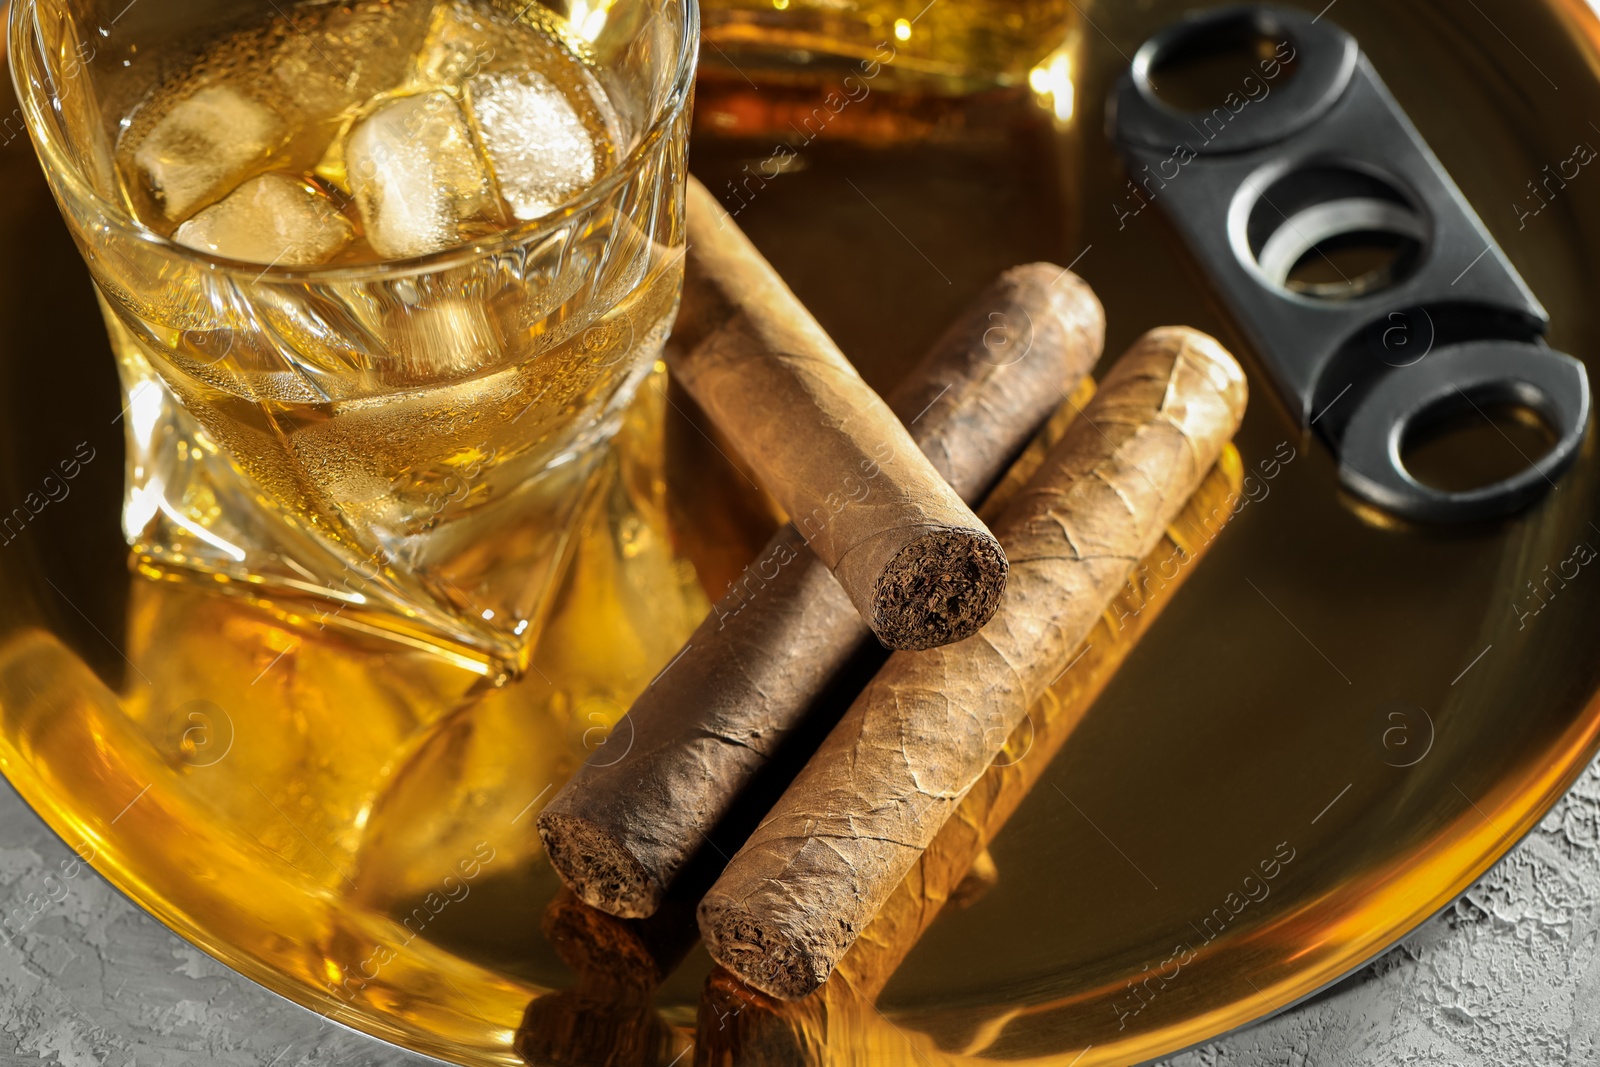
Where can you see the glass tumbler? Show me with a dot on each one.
(403, 443)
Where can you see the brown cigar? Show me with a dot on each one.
(738, 1025)
(919, 566)
(713, 740)
(867, 805)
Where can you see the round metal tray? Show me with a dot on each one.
(1373, 712)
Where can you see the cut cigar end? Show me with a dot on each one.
(595, 866)
(941, 588)
(752, 948)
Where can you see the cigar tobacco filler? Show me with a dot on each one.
(1255, 185)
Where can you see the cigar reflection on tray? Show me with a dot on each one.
(608, 1016)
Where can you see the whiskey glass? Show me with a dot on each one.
(403, 445)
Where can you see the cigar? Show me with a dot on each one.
(717, 516)
(717, 736)
(738, 1025)
(917, 740)
(918, 565)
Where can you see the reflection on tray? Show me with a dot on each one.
(469, 953)
(349, 821)
(344, 818)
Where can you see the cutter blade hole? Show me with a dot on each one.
(1469, 442)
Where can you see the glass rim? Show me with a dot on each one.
(31, 96)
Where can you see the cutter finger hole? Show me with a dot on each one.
(1221, 67)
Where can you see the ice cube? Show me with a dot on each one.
(339, 60)
(271, 219)
(542, 152)
(458, 45)
(438, 339)
(204, 145)
(416, 175)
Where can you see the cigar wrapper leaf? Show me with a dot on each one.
(872, 799)
(704, 737)
(739, 1025)
(919, 566)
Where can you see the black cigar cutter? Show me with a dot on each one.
(1311, 147)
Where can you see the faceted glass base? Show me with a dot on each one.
(189, 509)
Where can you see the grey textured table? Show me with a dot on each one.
(1508, 975)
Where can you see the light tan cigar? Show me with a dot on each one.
(918, 565)
(839, 1023)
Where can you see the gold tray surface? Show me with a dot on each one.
(1257, 717)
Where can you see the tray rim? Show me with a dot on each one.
(1580, 743)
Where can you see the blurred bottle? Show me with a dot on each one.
(942, 47)
(939, 142)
